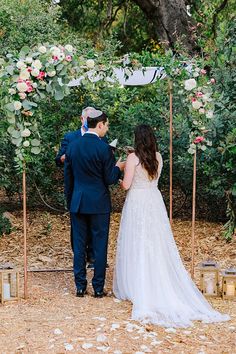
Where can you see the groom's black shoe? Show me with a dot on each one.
(81, 293)
(99, 294)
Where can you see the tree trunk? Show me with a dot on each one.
(171, 22)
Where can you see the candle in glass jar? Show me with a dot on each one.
(210, 287)
(230, 290)
(6, 291)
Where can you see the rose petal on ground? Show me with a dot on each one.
(68, 346)
(103, 349)
(114, 326)
(170, 330)
(87, 345)
(101, 338)
(100, 318)
(146, 349)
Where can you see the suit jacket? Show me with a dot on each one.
(89, 170)
(67, 139)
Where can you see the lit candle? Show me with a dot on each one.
(230, 290)
(6, 291)
(210, 286)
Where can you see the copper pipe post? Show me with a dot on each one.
(193, 212)
(25, 231)
(171, 148)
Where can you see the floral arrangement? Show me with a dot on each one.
(201, 105)
(46, 70)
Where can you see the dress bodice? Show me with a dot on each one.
(141, 179)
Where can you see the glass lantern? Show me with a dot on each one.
(209, 281)
(229, 283)
(9, 284)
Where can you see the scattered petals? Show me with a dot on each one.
(68, 346)
(87, 345)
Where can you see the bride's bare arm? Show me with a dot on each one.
(131, 163)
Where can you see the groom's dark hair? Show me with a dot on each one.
(93, 121)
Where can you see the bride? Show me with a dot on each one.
(149, 271)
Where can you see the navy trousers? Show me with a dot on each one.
(96, 225)
(89, 248)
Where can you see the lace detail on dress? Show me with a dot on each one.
(149, 270)
(141, 179)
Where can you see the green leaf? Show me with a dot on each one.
(35, 150)
(28, 104)
(15, 134)
(10, 107)
(25, 50)
(59, 95)
(35, 142)
(10, 69)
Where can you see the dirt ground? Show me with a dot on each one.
(53, 320)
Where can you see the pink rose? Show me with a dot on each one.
(55, 57)
(213, 81)
(41, 75)
(68, 57)
(203, 71)
(199, 94)
(198, 139)
(29, 69)
(194, 99)
(30, 89)
(20, 80)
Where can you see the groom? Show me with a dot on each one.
(89, 170)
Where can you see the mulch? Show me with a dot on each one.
(53, 320)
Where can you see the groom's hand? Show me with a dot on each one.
(120, 164)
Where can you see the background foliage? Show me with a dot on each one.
(85, 24)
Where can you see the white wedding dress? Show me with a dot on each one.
(149, 271)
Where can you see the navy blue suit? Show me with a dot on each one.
(89, 170)
(67, 139)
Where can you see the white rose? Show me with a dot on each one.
(206, 97)
(90, 63)
(201, 110)
(37, 64)
(28, 60)
(35, 72)
(25, 133)
(34, 84)
(52, 73)
(196, 104)
(20, 64)
(55, 51)
(190, 84)
(42, 49)
(195, 74)
(24, 74)
(17, 105)
(69, 48)
(22, 95)
(12, 91)
(209, 114)
(61, 56)
(26, 143)
(22, 87)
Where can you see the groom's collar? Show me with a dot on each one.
(94, 133)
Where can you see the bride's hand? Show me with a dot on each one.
(121, 164)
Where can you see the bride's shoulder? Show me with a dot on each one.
(132, 158)
(158, 155)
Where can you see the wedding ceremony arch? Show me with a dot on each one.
(48, 70)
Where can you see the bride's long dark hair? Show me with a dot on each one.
(146, 148)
